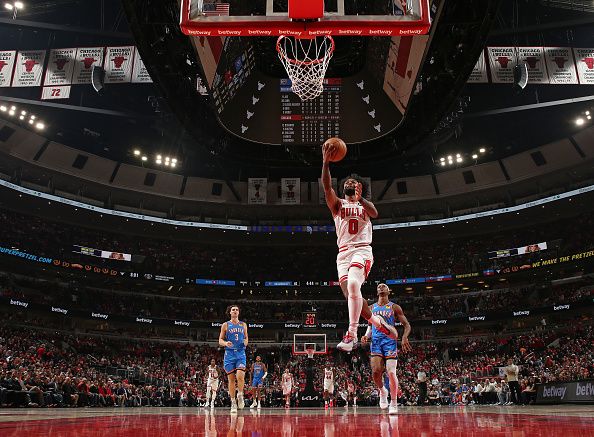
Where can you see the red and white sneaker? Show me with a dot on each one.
(348, 342)
(387, 329)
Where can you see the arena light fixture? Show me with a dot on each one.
(474, 156)
(11, 112)
(144, 158)
(442, 159)
(450, 157)
(33, 117)
(13, 108)
(589, 117)
(443, 163)
(158, 161)
(482, 150)
(40, 126)
(174, 161)
(3, 108)
(31, 121)
(21, 117)
(173, 164)
(23, 112)
(459, 159)
(136, 152)
(457, 155)
(587, 112)
(579, 121)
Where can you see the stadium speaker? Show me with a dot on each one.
(521, 75)
(98, 78)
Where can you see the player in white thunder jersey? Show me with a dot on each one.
(328, 386)
(287, 385)
(352, 217)
(212, 383)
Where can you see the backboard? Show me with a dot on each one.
(315, 342)
(272, 18)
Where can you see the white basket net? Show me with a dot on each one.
(306, 62)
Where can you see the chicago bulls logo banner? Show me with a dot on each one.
(535, 61)
(60, 67)
(502, 61)
(118, 64)
(560, 65)
(86, 58)
(6, 66)
(139, 72)
(479, 72)
(29, 68)
(257, 189)
(584, 59)
(290, 191)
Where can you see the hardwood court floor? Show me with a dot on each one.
(565, 421)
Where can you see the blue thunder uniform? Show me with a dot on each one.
(258, 374)
(234, 355)
(382, 345)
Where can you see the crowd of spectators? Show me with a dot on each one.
(405, 259)
(55, 369)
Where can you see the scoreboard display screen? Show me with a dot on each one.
(310, 319)
(265, 110)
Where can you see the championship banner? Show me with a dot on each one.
(29, 68)
(502, 61)
(560, 65)
(139, 72)
(291, 191)
(534, 59)
(55, 92)
(118, 64)
(6, 66)
(479, 72)
(60, 67)
(257, 189)
(86, 58)
(584, 59)
(321, 195)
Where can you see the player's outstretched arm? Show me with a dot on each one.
(331, 198)
(402, 318)
(222, 340)
(245, 335)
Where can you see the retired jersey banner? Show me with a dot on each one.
(502, 61)
(6, 66)
(29, 68)
(291, 191)
(139, 72)
(118, 64)
(479, 72)
(321, 194)
(60, 67)
(534, 59)
(584, 59)
(560, 65)
(86, 59)
(55, 92)
(257, 189)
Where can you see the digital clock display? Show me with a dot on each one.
(309, 320)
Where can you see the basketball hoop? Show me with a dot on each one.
(306, 61)
(310, 352)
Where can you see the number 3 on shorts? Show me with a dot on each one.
(353, 226)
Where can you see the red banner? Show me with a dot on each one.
(29, 68)
(6, 66)
(502, 61)
(584, 59)
(139, 72)
(118, 64)
(561, 66)
(535, 61)
(86, 59)
(60, 67)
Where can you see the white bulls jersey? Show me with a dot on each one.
(328, 375)
(353, 225)
(287, 379)
(213, 373)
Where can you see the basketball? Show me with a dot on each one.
(340, 148)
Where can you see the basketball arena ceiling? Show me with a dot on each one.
(446, 115)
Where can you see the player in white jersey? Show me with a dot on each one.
(352, 217)
(287, 386)
(212, 383)
(328, 386)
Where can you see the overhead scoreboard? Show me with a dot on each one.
(311, 121)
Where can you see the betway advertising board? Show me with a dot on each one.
(581, 392)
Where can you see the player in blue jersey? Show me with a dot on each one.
(259, 372)
(384, 351)
(234, 338)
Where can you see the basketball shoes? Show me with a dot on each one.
(240, 401)
(393, 408)
(233, 406)
(383, 401)
(348, 342)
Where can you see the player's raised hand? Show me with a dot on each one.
(327, 152)
(364, 339)
(406, 347)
